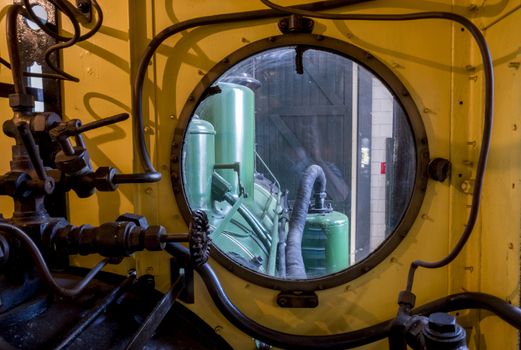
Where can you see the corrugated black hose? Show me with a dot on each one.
(313, 177)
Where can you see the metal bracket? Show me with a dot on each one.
(184, 269)
(297, 299)
(296, 24)
(84, 8)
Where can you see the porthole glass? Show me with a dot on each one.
(41, 13)
(304, 160)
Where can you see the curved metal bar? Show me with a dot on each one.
(63, 45)
(150, 174)
(507, 312)
(348, 340)
(488, 110)
(44, 26)
(41, 265)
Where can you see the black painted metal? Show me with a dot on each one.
(43, 322)
(348, 340)
(96, 312)
(147, 330)
(297, 299)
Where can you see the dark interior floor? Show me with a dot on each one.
(43, 322)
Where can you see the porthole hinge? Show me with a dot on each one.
(296, 24)
(297, 299)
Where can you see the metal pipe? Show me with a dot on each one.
(55, 35)
(41, 265)
(488, 69)
(348, 340)
(150, 174)
(64, 42)
(32, 149)
(256, 226)
(313, 177)
(272, 259)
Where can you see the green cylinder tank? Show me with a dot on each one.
(198, 163)
(325, 243)
(231, 112)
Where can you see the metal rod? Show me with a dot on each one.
(102, 122)
(150, 174)
(32, 149)
(348, 340)
(175, 237)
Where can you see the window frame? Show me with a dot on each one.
(403, 98)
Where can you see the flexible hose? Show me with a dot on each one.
(488, 111)
(313, 177)
(41, 265)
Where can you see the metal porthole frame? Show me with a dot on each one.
(388, 78)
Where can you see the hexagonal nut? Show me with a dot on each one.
(21, 101)
(407, 298)
(73, 165)
(14, 183)
(442, 323)
(103, 179)
(139, 220)
(44, 121)
(152, 238)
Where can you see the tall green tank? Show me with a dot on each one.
(198, 163)
(232, 114)
(325, 243)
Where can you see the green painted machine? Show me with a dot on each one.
(248, 212)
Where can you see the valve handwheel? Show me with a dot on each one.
(199, 240)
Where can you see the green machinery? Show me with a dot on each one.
(245, 209)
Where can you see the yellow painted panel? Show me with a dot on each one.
(434, 59)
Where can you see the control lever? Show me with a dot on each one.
(74, 161)
(26, 135)
(74, 128)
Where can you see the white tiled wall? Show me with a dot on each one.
(382, 128)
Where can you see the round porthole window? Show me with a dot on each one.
(309, 157)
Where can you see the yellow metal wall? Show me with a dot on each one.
(440, 65)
